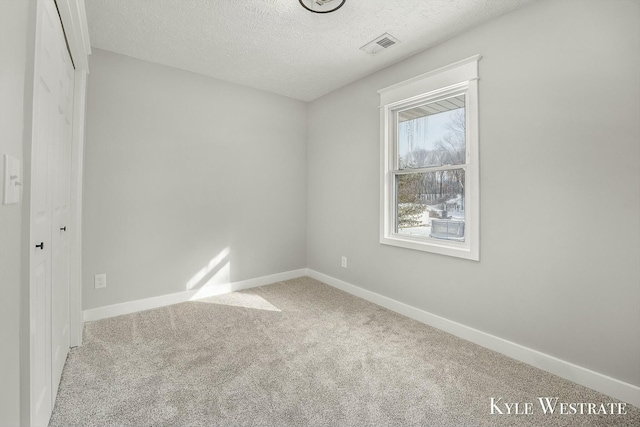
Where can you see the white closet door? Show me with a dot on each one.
(49, 260)
(61, 182)
(44, 127)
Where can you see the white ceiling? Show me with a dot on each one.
(276, 45)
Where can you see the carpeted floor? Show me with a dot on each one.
(298, 353)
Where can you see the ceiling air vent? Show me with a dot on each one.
(385, 41)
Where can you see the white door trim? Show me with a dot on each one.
(74, 20)
(76, 322)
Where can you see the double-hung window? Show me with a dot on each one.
(429, 162)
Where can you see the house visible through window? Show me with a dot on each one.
(429, 184)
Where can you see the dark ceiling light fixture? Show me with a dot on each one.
(322, 6)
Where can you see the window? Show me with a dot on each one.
(429, 162)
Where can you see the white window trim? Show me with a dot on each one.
(461, 76)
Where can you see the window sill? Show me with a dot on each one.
(449, 248)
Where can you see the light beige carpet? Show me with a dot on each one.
(298, 353)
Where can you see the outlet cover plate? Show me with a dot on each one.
(100, 281)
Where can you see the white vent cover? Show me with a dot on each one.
(385, 41)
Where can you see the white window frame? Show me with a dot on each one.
(458, 78)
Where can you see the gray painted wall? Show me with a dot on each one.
(179, 167)
(559, 266)
(14, 26)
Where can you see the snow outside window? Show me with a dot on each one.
(429, 162)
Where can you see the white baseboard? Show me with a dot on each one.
(204, 292)
(610, 386)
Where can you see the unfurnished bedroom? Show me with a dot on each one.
(320, 213)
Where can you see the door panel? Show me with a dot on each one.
(40, 262)
(41, 369)
(61, 181)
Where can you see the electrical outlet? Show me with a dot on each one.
(344, 262)
(100, 281)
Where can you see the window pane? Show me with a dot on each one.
(432, 134)
(431, 204)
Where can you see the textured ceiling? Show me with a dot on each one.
(276, 45)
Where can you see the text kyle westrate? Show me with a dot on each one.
(551, 405)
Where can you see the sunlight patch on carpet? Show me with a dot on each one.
(239, 299)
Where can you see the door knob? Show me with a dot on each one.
(63, 228)
(41, 245)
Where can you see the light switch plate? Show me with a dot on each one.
(12, 180)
